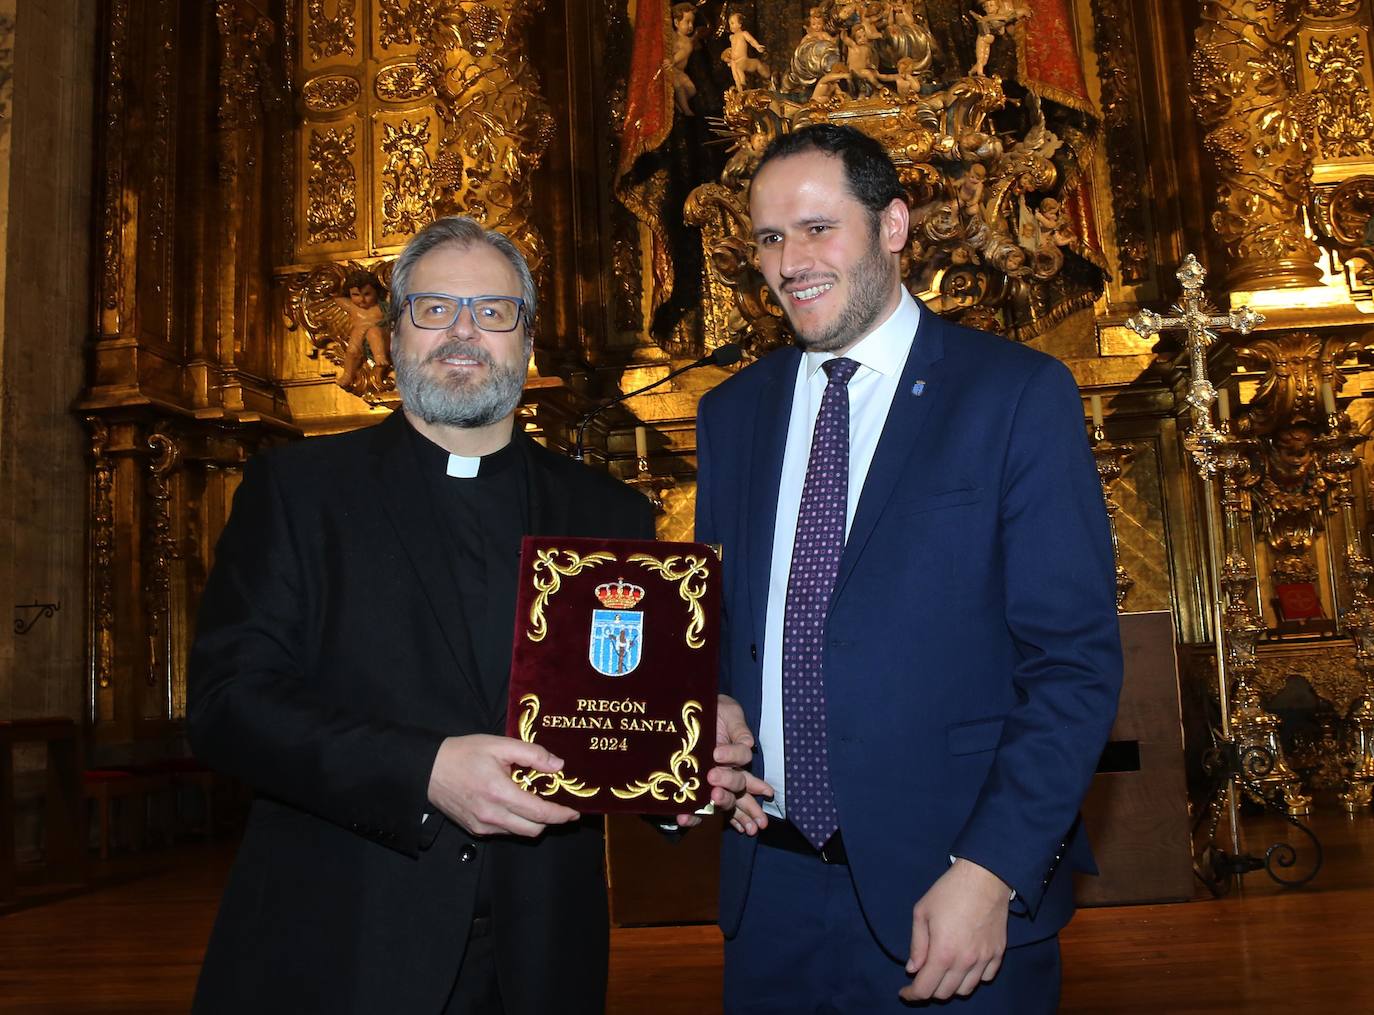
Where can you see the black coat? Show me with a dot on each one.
(326, 672)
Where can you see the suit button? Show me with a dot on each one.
(754, 653)
(467, 854)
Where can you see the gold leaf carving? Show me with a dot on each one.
(1245, 90)
(332, 212)
(400, 23)
(407, 178)
(690, 572)
(328, 94)
(331, 34)
(1345, 127)
(544, 783)
(402, 82)
(681, 777)
(548, 579)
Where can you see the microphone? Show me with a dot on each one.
(723, 356)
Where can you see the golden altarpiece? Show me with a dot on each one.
(262, 161)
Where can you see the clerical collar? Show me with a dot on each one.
(434, 459)
(466, 467)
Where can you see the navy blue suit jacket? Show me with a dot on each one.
(972, 654)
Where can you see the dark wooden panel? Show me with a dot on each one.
(655, 879)
(1137, 820)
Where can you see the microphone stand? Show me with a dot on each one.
(724, 356)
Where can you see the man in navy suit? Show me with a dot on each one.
(920, 622)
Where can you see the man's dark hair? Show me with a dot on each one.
(868, 171)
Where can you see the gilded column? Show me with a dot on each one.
(1258, 120)
(496, 125)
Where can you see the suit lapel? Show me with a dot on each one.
(409, 507)
(900, 436)
(770, 443)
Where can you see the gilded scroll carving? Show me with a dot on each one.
(402, 82)
(102, 553)
(993, 167)
(1245, 91)
(496, 127)
(245, 78)
(1119, 72)
(407, 178)
(332, 208)
(331, 34)
(331, 93)
(401, 23)
(1344, 217)
(115, 214)
(1289, 478)
(162, 551)
(1345, 127)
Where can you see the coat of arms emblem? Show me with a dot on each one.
(617, 635)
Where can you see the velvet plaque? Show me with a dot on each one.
(614, 671)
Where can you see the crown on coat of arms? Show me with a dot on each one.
(619, 595)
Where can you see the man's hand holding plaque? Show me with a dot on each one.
(614, 672)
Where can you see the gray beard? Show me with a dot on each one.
(870, 285)
(458, 401)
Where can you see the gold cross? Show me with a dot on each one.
(1196, 315)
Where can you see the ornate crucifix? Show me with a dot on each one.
(1196, 315)
(1219, 455)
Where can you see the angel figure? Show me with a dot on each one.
(815, 27)
(366, 328)
(862, 64)
(970, 191)
(1053, 224)
(997, 17)
(737, 56)
(831, 84)
(684, 41)
(907, 79)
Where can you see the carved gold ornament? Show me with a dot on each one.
(330, 33)
(402, 82)
(331, 93)
(690, 572)
(681, 776)
(547, 587)
(544, 783)
(332, 212)
(1258, 123)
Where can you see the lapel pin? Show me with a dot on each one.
(918, 389)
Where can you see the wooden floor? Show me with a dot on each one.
(131, 943)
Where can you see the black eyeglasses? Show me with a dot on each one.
(439, 311)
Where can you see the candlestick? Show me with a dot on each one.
(1223, 405)
(1095, 401)
(1328, 399)
(641, 442)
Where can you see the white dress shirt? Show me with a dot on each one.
(881, 355)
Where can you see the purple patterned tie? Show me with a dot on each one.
(816, 553)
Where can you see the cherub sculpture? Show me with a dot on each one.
(998, 16)
(684, 42)
(832, 84)
(863, 64)
(341, 308)
(907, 80)
(737, 55)
(367, 330)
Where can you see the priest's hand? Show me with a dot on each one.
(958, 933)
(734, 790)
(471, 784)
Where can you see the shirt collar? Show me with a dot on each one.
(883, 349)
